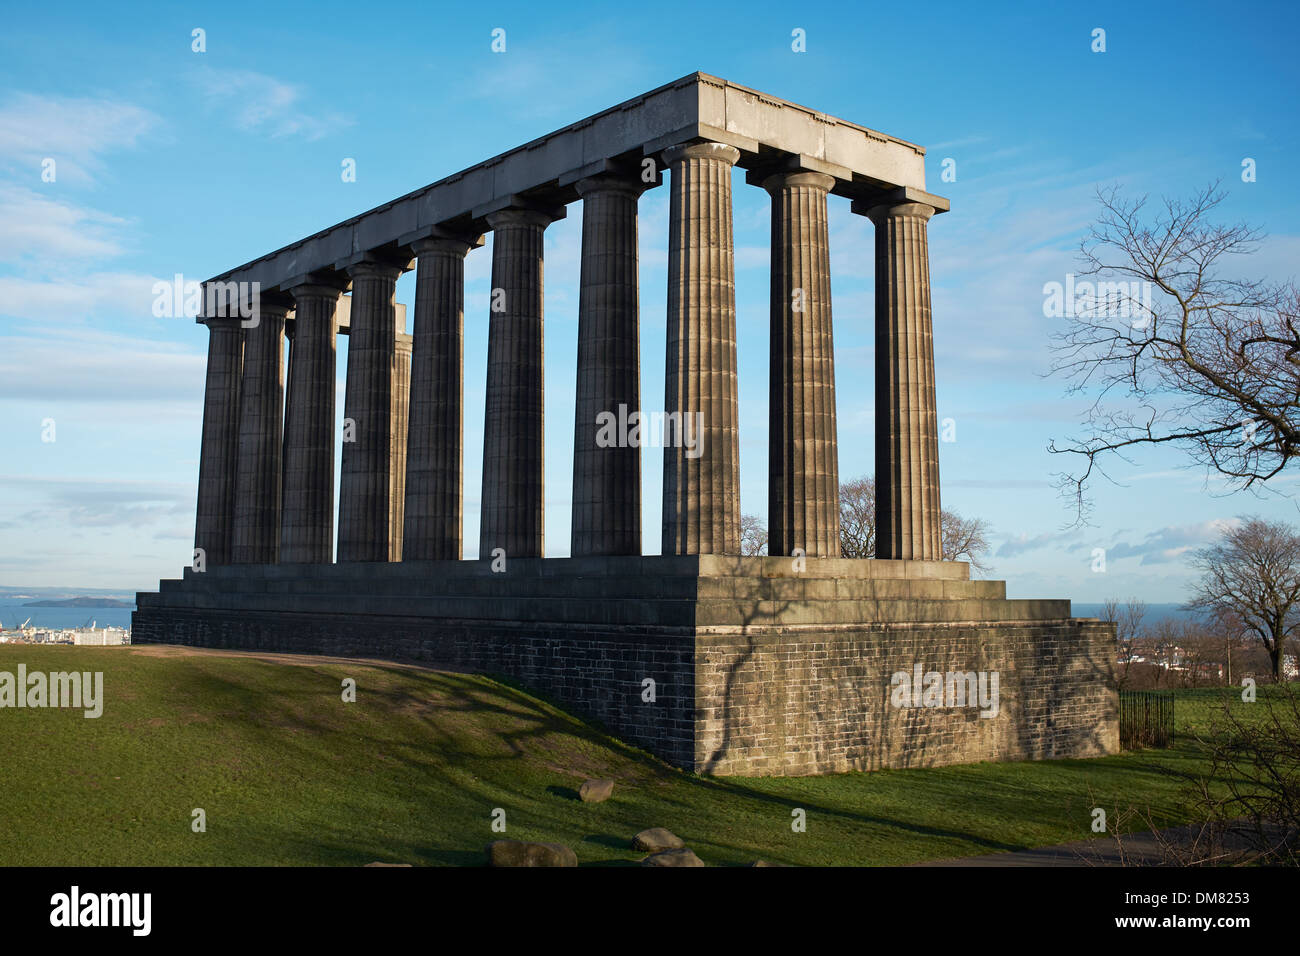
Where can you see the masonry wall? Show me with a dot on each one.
(741, 701)
(596, 673)
(805, 701)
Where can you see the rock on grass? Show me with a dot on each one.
(656, 839)
(679, 857)
(520, 853)
(596, 791)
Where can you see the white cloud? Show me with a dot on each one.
(98, 367)
(41, 229)
(75, 133)
(89, 297)
(263, 104)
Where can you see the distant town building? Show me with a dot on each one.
(101, 636)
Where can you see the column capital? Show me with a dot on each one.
(520, 216)
(221, 323)
(316, 290)
(904, 201)
(629, 184)
(799, 177)
(716, 151)
(323, 282)
(377, 264)
(446, 245)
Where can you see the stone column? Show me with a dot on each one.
(803, 462)
(907, 445)
(607, 477)
(434, 455)
(215, 511)
(512, 502)
(258, 482)
(365, 483)
(701, 513)
(401, 416)
(307, 522)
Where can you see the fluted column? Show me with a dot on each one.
(701, 513)
(607, 474)
(907, 445)
(215, 510)
(365, 484)
(258, 484)
(307, 521)
(434, 496)
(803, 462)
(401, 416)
(512, 502)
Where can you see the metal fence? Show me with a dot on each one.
(1146, 718)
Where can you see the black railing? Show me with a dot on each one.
(1146, 718)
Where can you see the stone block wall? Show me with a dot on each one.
(757, 668)
(808, 701)
(597, 673)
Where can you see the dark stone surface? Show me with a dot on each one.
(519, 853)
(756, 669)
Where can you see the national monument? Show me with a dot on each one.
(721, 663)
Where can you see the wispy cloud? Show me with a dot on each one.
(99, 367)
(75, 133)
(260, 103)
(38, 229)
(1171, 543)
(99, 503)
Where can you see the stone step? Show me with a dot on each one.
(621, 611)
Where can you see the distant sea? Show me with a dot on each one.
(12, 613)
(1155, 612)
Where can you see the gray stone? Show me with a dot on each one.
(434, 495)
(307, 517)
(907, 439)
(215, 511)
(803, 463)
(701, 511)
(520, 853)
(513, 506)
(656, 839)
(397, 467)
(677, 857)
(365, 482)
(607, 477)
(596, 791)
(696, 106)
(255, 534)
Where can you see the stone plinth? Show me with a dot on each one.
(757, 668)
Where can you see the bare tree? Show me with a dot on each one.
(858, 518)
(753, 535)
(1128, 617)
(1254, 573)
(1173, 351)
(961, 539)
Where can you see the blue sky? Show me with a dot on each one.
(171, 161)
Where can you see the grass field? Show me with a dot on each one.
(287, 773)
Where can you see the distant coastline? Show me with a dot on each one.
(80, 602)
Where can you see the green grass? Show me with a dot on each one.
(289, 774)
